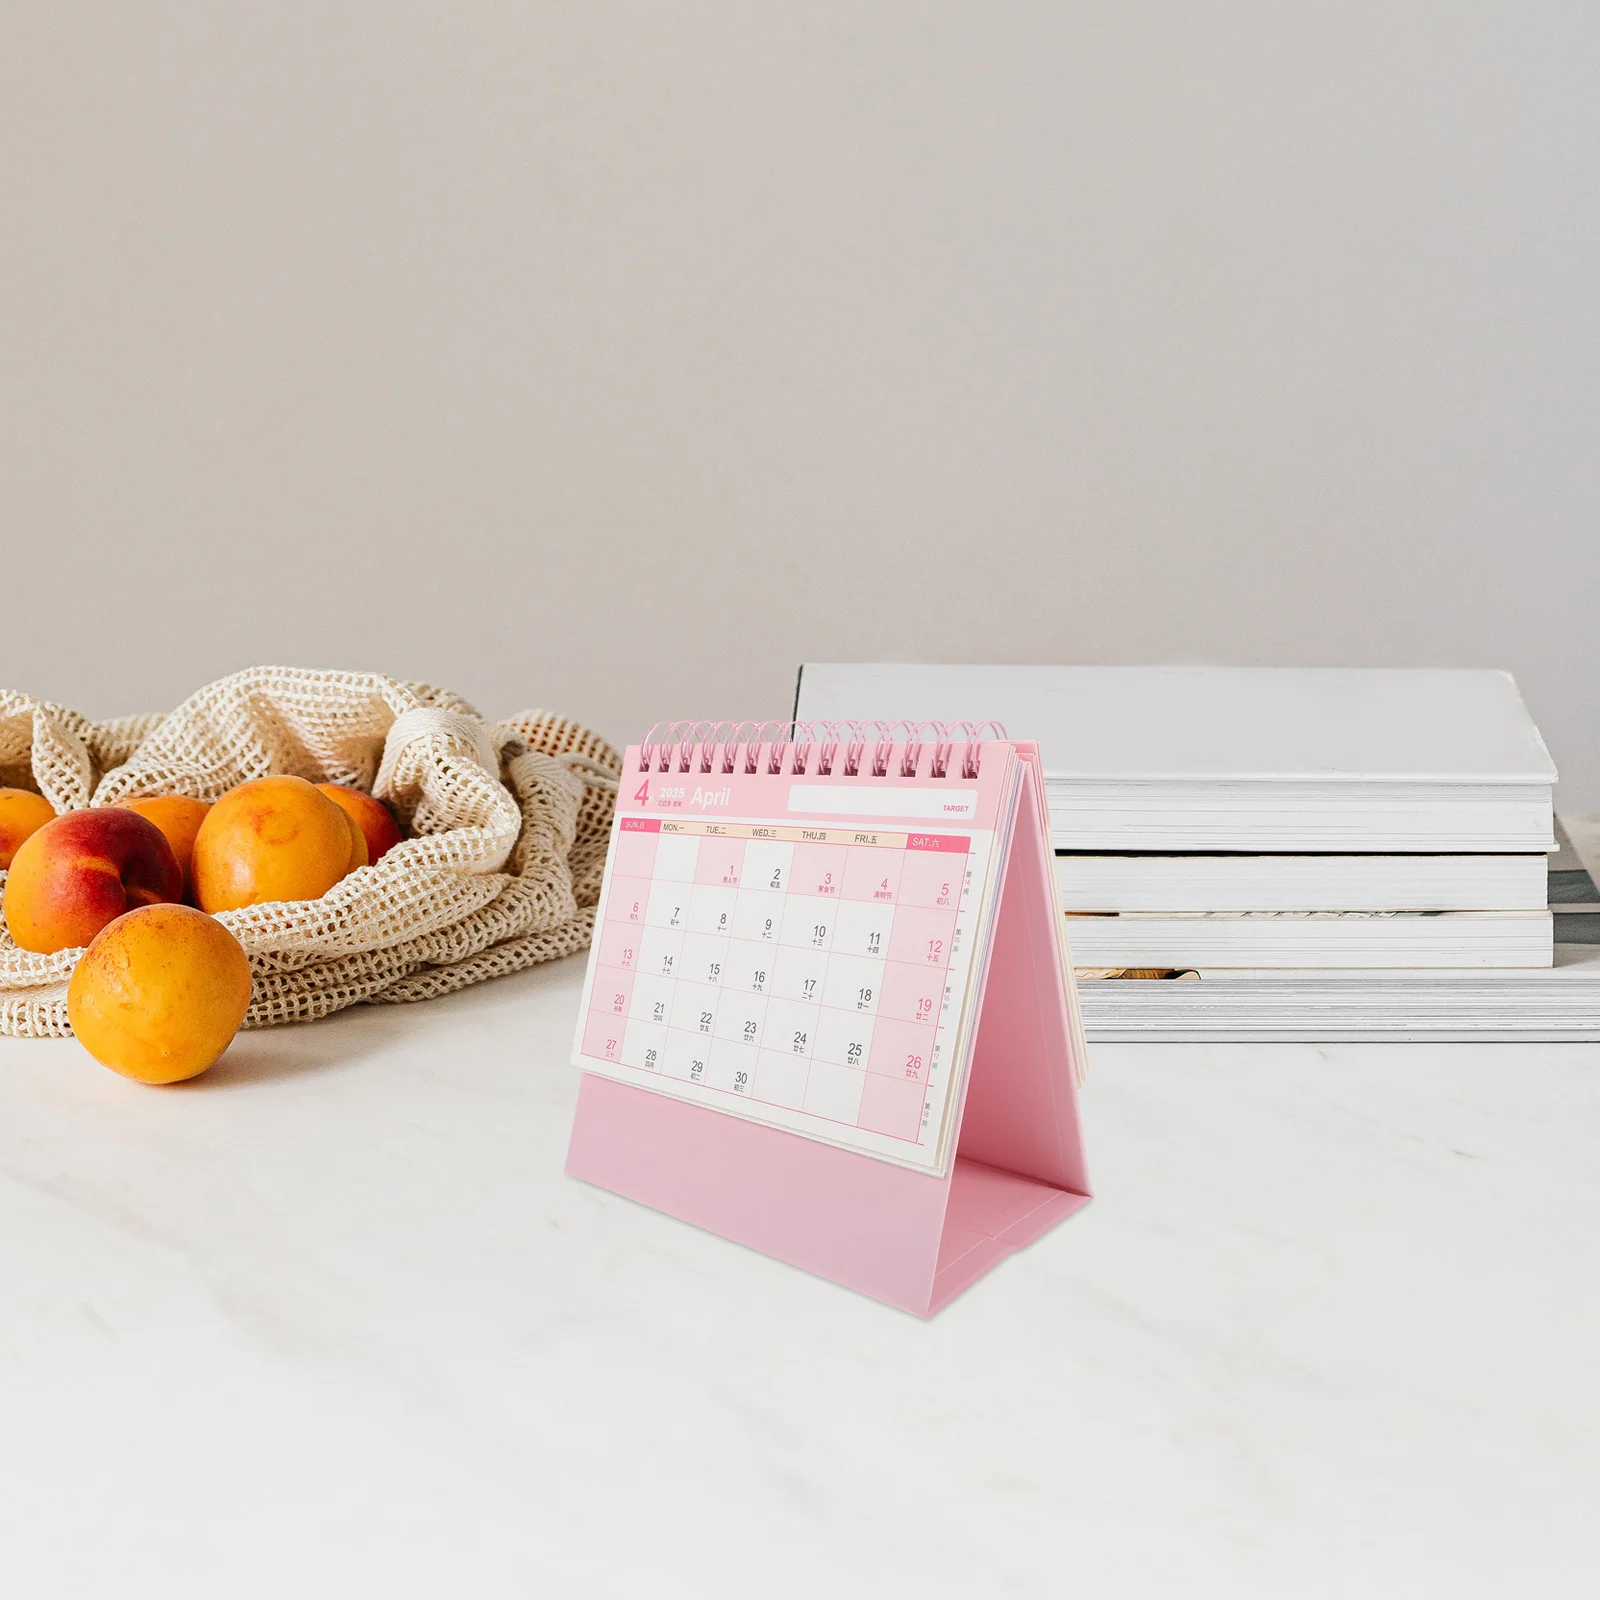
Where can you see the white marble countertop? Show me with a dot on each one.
(332, 1322)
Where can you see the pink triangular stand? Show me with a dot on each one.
(903, 1237)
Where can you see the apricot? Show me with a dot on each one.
(178, 816)
(270, 839)
(160, 993)
(358, 843)
(83, 870)
(372, 816)
(22, 812)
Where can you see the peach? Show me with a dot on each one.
(270, 839)
(178, 816)
(22, 812)
(160, 993)
(372, 816)
(358, 843)
(84, 870)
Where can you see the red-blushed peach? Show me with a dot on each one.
(160, 993)
(270, 839)
(178, 816)
(84, 870)
(372, 816)
(22, 813)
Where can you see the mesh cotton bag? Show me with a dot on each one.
(508, 825)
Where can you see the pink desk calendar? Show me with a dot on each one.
(829, 1011)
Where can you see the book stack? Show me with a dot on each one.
(1309, 852)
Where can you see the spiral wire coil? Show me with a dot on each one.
(819, 749)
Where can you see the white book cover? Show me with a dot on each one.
(1160, 724)
(1302, 883)
(1312, 939)
(1291, 759)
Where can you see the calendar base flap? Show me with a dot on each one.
(864, 1223)
(903, 1237)
(991, 1215)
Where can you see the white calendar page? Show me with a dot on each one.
(806, 972)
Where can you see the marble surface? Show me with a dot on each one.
(332, 1322)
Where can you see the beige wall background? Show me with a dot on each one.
(618, 357)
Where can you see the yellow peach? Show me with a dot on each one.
(22, 812)
(358, 842)
(270, 839)
(372, 816)
(178, 816)
(160, 993)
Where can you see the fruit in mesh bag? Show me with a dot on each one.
(178, 816)
(159, 994)
(270, 839)
(372, 816)
(358, 843)
(83, 870)
(22, 813)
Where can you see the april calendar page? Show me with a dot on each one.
(797, 950)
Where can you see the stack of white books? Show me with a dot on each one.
(1315, 851)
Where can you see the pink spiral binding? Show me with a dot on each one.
(820, 748)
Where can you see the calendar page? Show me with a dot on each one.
(804, 958)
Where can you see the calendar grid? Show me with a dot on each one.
(801, 969)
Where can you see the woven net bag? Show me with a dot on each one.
(507, 826)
